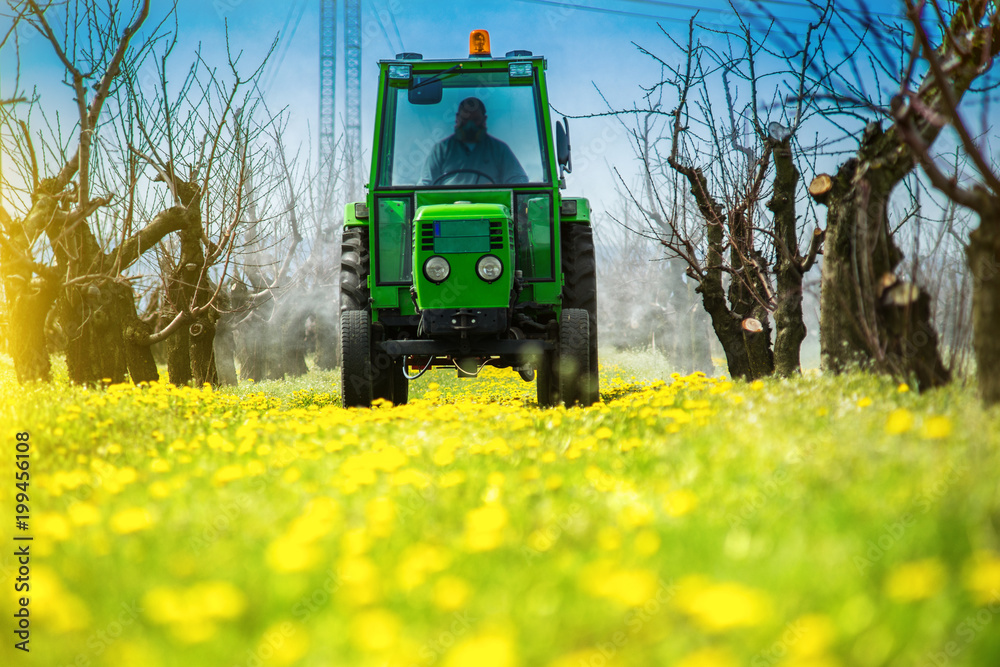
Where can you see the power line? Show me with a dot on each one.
(783, 3)
(690, 8)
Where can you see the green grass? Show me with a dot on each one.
(820, 521)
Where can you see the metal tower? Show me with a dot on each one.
(327, 82)
(352, 98)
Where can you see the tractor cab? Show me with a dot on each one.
(464, 252)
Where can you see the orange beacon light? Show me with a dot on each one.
(479, 44)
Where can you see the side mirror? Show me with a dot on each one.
(427, 91)
(563, 156)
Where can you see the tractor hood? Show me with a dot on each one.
(463, 255)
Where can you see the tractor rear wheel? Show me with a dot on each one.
(573, 365)
(356, 386)
(354, 269)
(580, 291)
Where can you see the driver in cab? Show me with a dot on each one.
(470, 156)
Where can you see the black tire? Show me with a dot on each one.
(579, 267)
(573, 365)
(355, 265)
(356, 386)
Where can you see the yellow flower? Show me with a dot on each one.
(629, 588)
(485, 650)
(916, 580)
(131, 520)
(450, 593)
(903, 388)
(982, 577)
(936, 428)
(484, 527)
(708, 657)
(680, 502)
(721, 606)
(83, 514)
(899, 421)
(814, 633)
(53, 606)
(51, 524)
(864, 402)
(375, 630)
(417, 562)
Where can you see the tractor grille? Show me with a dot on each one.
(427, 236)
(461, 235)
(496, 234)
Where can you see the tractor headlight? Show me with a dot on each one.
(489, 268)
(437, 269)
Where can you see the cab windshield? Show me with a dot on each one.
(484, 131)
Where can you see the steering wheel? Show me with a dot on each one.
(446, 174)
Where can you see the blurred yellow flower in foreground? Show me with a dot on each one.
(629, 588)
(191, 613)
(57, 609)
(450, 593)
(485, 650)
(899, 421)
(936, 428)
(131, 520)
(484, 527)
(915, 580)
(375, 630)
(982, 577)
(708, 657)
(721, 606)
(680, 502)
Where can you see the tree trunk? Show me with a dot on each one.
(748, 353)
(28, 304)
(983, 256)
(790, 328)
(27, 308)
(201, 337)
(95, 349)
(135, 334)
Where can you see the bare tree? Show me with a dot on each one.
(868, 314)
(724, 156)
(975, 34)
(73, 259)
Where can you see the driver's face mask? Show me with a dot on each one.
(469, 130)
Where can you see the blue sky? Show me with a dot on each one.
(584, 49)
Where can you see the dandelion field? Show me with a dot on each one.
(692, 521)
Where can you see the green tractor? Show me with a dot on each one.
(465, 252)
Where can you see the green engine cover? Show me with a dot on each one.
(463, 234)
